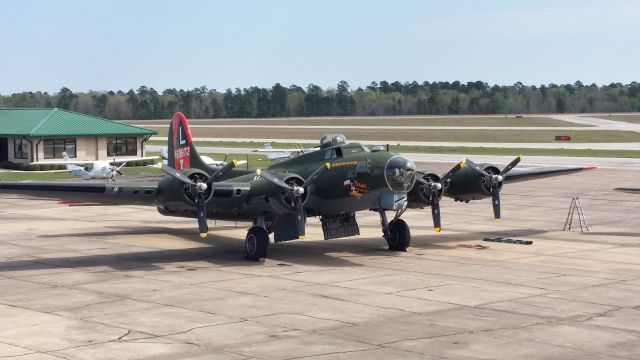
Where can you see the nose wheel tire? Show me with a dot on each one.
(256, 244)
(399, 237)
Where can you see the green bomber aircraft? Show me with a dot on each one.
(332, 183)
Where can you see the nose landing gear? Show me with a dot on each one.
(396, 233)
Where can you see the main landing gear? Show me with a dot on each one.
(256, 244)
(395, 232)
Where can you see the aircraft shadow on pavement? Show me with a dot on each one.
(228, 251)
(217, 250)
(138, 230)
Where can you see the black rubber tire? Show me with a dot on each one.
(399, 235)
(256, 244)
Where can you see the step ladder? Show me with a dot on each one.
(576, 207)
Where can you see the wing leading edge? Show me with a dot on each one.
(106, 193)
(518, 175)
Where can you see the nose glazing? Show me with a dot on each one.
(400, 173)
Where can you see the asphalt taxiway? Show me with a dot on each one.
(125, 282)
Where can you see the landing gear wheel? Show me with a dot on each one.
(399, 237)
(256, 244)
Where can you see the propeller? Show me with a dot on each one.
(495, 181)
(222, 171)
(295, 192)
(115, 168)
(200, 188)
(433, 191)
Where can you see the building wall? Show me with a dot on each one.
(88, 148)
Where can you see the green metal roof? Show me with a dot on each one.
(59, 122)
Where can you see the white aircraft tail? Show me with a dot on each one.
(65, 156)
(275, 156)
(164, 153)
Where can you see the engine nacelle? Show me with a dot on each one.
(425, 186)
(469, 184)
(267, 197)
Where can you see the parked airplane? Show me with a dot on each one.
(278, 155)
(207, 160)
(333, 183)
(99, 169)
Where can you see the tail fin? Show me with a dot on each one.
(182, 153)
(75, 169)
(268, 147)
(164, 154)
(65, 156)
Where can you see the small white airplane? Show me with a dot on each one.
(207, 160)
(99, 169)
(277, 155)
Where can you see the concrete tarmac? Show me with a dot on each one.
(127, 283)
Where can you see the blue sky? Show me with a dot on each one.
(105, 45)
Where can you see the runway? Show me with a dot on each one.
(592, 123)
(128, 283)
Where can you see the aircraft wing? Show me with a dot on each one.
(107, 193)
(524, 174)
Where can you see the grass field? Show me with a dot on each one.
(634, 119)
(478, 121)
(438, 135)
(236, 144)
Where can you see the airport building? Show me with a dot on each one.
(42, 135)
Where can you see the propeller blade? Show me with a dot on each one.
(222, 171)
(495, 199)
(315, 174)
(201, 210)
(121, 165)
(452, 172)
(176, 174)
(272, 179)
(301, 218)
(435, 213)
(119, 173)
(511, 165)
(477, 167)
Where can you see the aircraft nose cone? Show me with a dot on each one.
(400, 173)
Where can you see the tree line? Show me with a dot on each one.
(379, 98)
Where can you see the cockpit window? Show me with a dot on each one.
(400, 173)
(332, 153)
(329, 154)
(352, 149)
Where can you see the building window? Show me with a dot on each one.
(20, 149)
(122, 146)
(53, 148)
